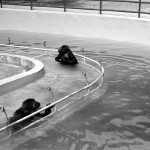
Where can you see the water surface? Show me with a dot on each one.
(116, 117)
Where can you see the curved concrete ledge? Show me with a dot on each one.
(34, 70)
(77, 24)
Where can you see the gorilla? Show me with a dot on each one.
(66, 56)
(28, 106)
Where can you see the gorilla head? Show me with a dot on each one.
(30, 105)
(64, 49)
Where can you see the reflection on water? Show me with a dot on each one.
(118, 119)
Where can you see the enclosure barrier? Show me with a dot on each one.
(32, 71)
(42, 3)
(70, 99)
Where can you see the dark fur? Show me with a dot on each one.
(66, 56)
(28, 106)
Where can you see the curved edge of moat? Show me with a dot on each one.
(34, 69)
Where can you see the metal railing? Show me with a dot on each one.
(103, 5)
(70, 99)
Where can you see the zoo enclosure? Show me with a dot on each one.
(64, 104)
(126, 6)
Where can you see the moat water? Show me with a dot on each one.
(116, 117)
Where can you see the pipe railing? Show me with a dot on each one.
(101, 9)
(98, 81)
(139, 2)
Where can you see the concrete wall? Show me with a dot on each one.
(76, 24)
(17, 61)
(34, 70)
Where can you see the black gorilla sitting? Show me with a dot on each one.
(66, 56)
(28, 106)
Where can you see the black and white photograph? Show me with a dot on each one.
(74, 74)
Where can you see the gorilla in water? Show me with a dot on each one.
(28, 106)
(66, 56)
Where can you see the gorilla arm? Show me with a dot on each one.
(46, 112)
(58, 58)
(61, 58)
